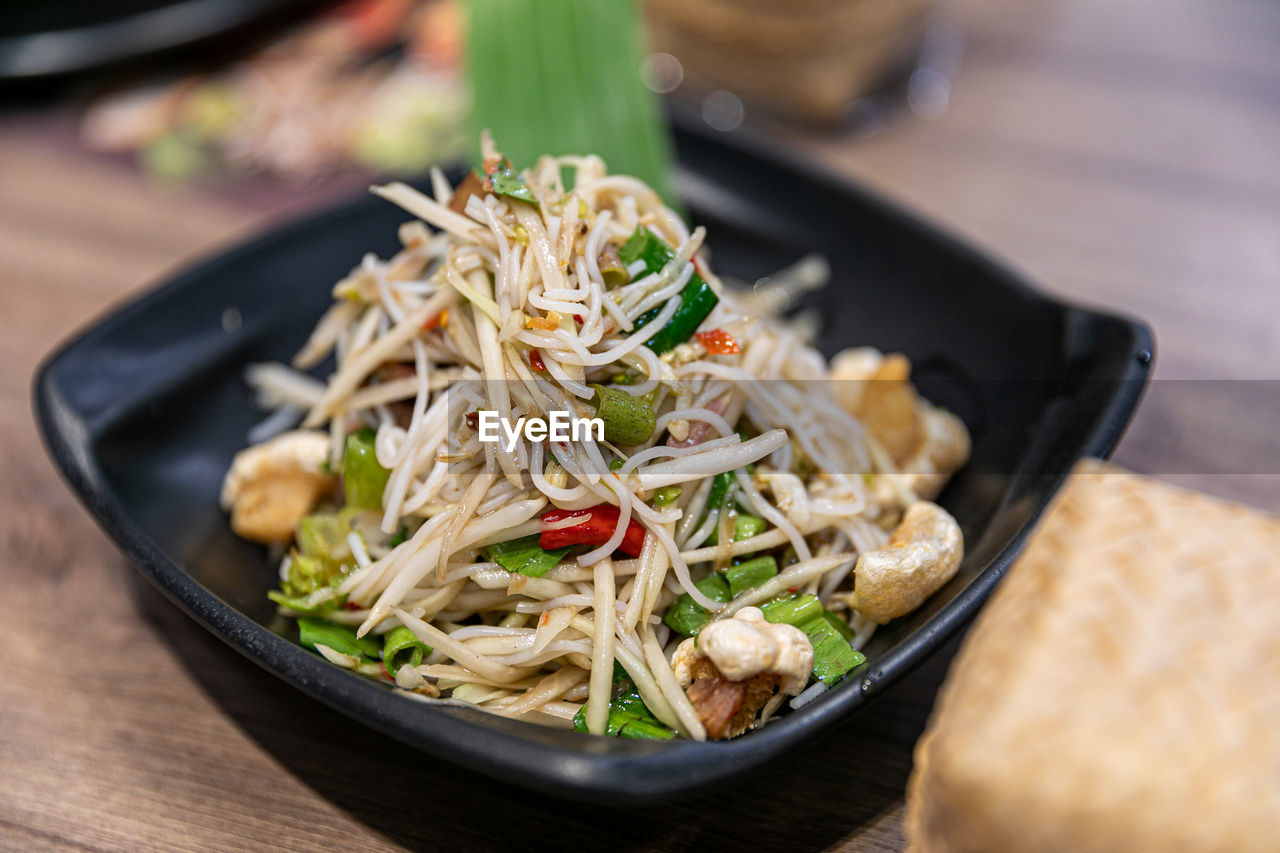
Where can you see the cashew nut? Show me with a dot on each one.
(922, 554)
(736, 665)
(746, 645)
(272, 485)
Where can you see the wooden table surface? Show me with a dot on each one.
(1123, 153)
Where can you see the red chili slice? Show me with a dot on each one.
(719, 342)
(436, 321)
(596, 530)
(536, 362)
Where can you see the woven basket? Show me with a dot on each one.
(1121, 692)
(807, 59)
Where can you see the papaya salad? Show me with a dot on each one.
(748, 517)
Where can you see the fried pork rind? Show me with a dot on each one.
(926, 443)
(944, 450)
(272, 485)
(922, 554)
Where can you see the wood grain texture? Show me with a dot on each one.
(1123, 156)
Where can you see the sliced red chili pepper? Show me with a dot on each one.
(578, 318)
(434, 322)
(719, 342)
(351, 605)
(536, 362)
(472, 419)
(596, 530)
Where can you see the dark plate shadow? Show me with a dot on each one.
(808, 800)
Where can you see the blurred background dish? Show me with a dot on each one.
(57, 38)
(372, 84)
(379, 86)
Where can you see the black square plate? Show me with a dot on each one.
(144, 412)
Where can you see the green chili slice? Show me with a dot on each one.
(628, 419)
(363, 478)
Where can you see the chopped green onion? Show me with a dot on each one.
(801, 465)
(641, 729)
(750, 574)
(688, 616)
(401, 648)
(364, 479)
(628, 419)
(615, 464)
(833, 657)
(628, 715)
(722, 490)
(696, 299)
(340, 638)
(524, 556)
(399, 537)
(745, 525)
(793, 611)
(841, 626)
(666, 496)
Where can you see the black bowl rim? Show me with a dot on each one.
(604, 774)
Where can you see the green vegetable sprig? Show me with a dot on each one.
(628, 715)
(340, 638)
(696, 299)
(524, 556)
(508, 182)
